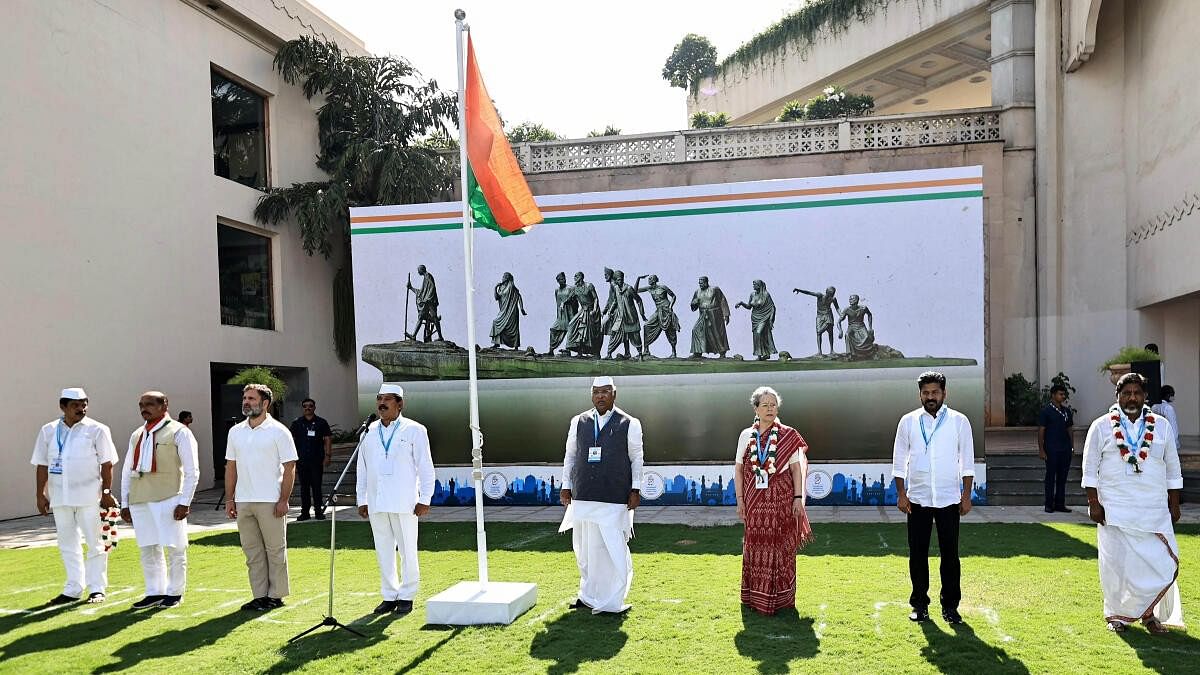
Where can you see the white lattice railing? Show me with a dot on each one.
(977, 125)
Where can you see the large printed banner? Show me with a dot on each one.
(836, 291)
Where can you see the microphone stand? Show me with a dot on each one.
(331, 507)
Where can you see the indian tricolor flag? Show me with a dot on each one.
(496, 192)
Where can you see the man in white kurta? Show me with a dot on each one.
(1132, 476)
(395, 485)
(158, 481)
(601, 487)
(74, 455)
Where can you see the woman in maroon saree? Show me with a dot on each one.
(769, 472)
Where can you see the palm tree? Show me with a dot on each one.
(376, 113)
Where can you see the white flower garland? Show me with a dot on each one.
(1130, 455)
(768, 467)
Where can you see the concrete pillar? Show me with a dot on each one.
(1012, 60)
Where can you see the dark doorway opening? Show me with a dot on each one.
(227, 403)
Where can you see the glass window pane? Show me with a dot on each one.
(239, 133)
(244, 262)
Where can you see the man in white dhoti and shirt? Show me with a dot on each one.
(158, 481)
(601, 487)
(74, 456)
(395, 484)
(1132, 476)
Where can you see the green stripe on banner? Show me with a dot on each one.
(633, 215)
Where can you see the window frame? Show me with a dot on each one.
(266, 123)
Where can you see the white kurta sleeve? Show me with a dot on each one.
(1174, 471)
(636, 454)
(1092, 446)
(105, 450)
(900, 450)
(423, 460)
(966, 449)
(569, 457)
(41, 447)
(360, 475)
(742, 441)
(127, 471)
(189, 459)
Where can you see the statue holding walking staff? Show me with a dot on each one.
(827, 305)
(762, 320)
(427, 307)
(709, 335)
(506, 329)
(565, 303)
(664, 319)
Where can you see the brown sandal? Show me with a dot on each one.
(1155, 627)
(1117, 626)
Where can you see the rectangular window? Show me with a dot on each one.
(239, 132)
(244, 263)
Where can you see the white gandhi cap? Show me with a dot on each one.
(392, 389)
(73, 394)
(603, 381)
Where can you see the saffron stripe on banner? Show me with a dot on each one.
(671, 213)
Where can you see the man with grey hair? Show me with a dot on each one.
(260, 468)
(74, 456)
(601, 487)
(1132, 475)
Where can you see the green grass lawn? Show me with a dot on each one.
(1031, 600)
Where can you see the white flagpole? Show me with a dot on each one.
(469, 274)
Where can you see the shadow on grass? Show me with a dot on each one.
(11, 622)
(324, 643)
(173, 643)
(993, 540)
(961, 651)
(1163, 653)
(424, 656)
(102, 627)
(579, 637)
(775, 641)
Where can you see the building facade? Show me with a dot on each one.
(134, 260)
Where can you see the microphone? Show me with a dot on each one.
(366, 423)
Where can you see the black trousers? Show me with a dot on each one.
(1058, 463)
(920, 527)
(311, 472)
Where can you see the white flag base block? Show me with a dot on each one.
(470, 603)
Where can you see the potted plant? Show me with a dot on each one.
(1122, 362)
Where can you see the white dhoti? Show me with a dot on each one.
(1138, 575)
(600, 536)
(72, 523)
(396, 532)
(155, 528)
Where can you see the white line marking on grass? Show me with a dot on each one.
(108, 601)
(28, 590)
(219, 590)
(544, 615)
(778, 637)
(223, 605)
(673, 601)
(819, 629)
(882, 542)
(530, 539)
(993, 619)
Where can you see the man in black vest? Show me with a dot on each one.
(601, 487)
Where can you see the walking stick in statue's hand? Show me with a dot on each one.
(407, 289)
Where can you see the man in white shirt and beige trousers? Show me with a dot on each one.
(260, 468)
(1133, 479)
(601, 487)
(158, 481)
(74, 456)
(395, 484)
(933, 463)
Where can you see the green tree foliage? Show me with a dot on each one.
(609, 130)
(261, 375)
(372, 128)
(702, 119)
(1023, 400)
(833, 103)
(531, 132)
(693, 59)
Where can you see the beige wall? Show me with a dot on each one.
(111, 206)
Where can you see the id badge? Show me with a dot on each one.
(760, 481)
(387, 466)
(921, 463)
(594, 454)
(56, 467)
(312, 433)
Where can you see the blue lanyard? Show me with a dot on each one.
(929, 438)
(596, 424)
(61, 439)
(1134, 444)
(387, 445)
(762, 448)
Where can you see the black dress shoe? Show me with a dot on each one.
(385, 607)
(403, 607)
(1048, 510)
(320, 515)
(579, 604)
(148, 602)
(171, 601)
(270, 603)
(96, 598)
(62, 599)
(918, 615)
(254, 605)
(952, 617)
(302, 517)
(1062, 509)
